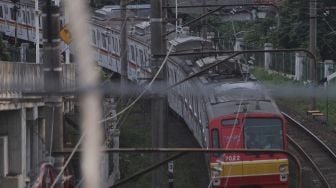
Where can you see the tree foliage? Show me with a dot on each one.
(4, 55)
(292, 30)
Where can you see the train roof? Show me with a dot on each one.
(226, 85)
(240, 97)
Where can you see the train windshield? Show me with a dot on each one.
(263, 133)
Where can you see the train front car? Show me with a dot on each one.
(243, 116)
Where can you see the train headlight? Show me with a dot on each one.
(283, 169)
(215, 178)
(215, 173)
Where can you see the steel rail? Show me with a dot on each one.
(317, 140)
(317, 169)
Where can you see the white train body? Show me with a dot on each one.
(105, 37)
(25, 21)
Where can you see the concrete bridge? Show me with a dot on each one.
(22, 121)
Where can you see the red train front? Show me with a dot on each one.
(247, 123)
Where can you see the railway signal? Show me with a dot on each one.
(65, 34)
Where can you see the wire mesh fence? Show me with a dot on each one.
(19, 54)
(286, 63)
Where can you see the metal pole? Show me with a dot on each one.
(123, 47)
(15, 10)
(37, 32)
(52, 82)
(176, 16)
(159, 101)
(204, 21)
(312, 46)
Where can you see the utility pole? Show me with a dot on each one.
(123, 46)
(15, 10)
(204, 28)
(37, 32)
(52, 83)
(159, 101)
(312, 46)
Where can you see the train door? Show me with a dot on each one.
(231, 138)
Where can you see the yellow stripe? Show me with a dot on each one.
(249, 168)
(269, 167)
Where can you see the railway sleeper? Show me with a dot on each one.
(318, 115)
(328, 171)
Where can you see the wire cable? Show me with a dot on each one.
(52, 133)
(117, 114)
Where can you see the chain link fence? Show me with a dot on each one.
(19, 54)
(284, 63)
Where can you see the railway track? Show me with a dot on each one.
(316, 153)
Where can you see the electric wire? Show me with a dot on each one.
(117, 114)
(52, 132)
(234, 125)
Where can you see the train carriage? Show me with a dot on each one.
(225, 108)
(232, 111)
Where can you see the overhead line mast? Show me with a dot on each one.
(312, 46)
(159, 101)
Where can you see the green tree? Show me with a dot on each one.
(4, 55)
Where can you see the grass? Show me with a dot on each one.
(300, 105)
(189, 170)
(135, 133)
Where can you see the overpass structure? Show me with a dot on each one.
(23, 121)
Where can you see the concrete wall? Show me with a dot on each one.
(25, 133)
(13, 125)
(29, 77)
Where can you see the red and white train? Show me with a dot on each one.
(228, 108)
(225, 108)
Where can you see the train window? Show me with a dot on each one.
(32, 17)
(141, 57)
(118, 44)
(230, 122)
(28, 17)
(103, 40)
(215, 140)
(98, 37)
(112, 40)
(108, 42)
(263, 133)
(6, 10)
(12, 13)
(94, 37)
(24, 16)
(1, 13)
(132, 53)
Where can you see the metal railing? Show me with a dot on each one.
(18, 77)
